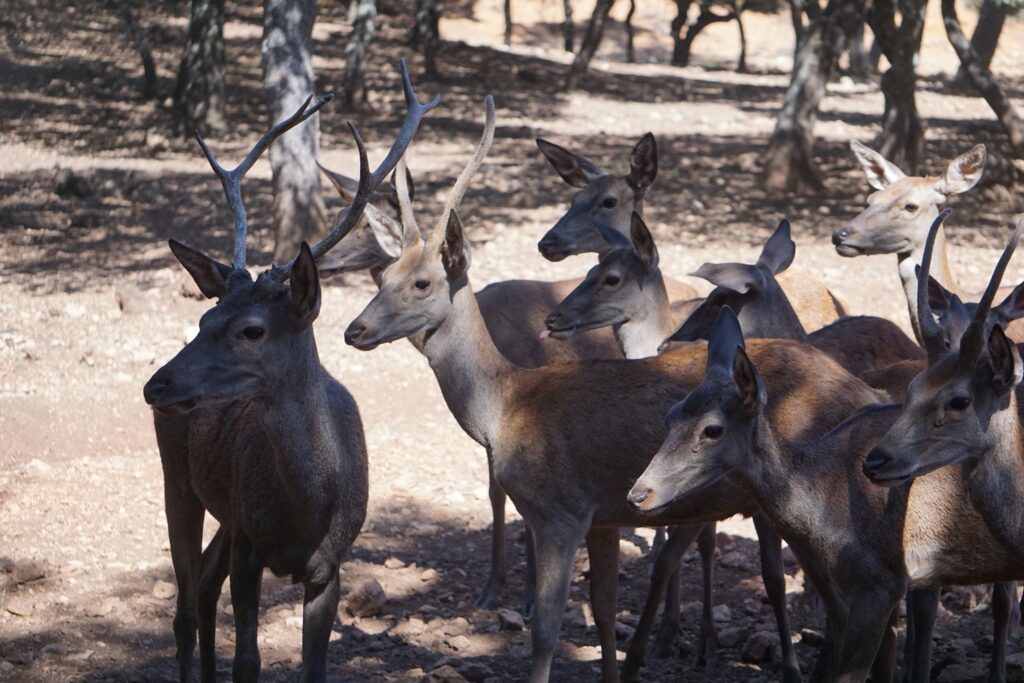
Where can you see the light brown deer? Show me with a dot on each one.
(869, 543)
(566, 439)
(608, 200)
(899, 214)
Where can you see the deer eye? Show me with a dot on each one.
(423, 285)
(612, 280)
(609, 202)
(713, 432)
(253, 332)
(959, 403)
(910, 208)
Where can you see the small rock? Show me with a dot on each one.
(164, 590)
(32, 570)
(69, 184)
(732, 637)
(788, 558)
(972, 670)
(723, 540)
(459, 643)
(811, 637)
(445, 674)
(143, 357)
(155, 141)
(456, 627)
(758, 647)
(721, 613)
(102, 608)
(411, 627)
(54, 650)
(510, 620)
(293, 622)
(1015, 666)
(5, 666)
(580, 614)
(733, 559)
(19, 606)
(393, 563)
(623, 631)
(475, 672)
(367, 600)
(428, 575)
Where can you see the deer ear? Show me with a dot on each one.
(386, 230)
(305, 285)
(1003, 360)
(964, 172)
(779, 251)
(455, 251)
(345, 186)
(880, 171)
(739, 277)
(574, 169)
(643, 242)
(210, 276)
(643, 164)
(1012, 306)
(749, 384)
(698, 325)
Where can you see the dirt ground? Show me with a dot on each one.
(91, 304)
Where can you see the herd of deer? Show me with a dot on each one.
(567, 386)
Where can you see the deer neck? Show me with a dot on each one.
(940, 270)
(643, 333)
(472, 373)
(995, 481)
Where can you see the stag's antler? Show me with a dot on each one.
(369, 182)
(232, 180)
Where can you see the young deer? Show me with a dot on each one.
(253, 429)
(609, 200)
(566, 439)
(868, 543)
(899, 214)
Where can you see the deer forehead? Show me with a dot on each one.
(918, 191)
(600, 187)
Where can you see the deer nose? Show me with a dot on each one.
(354, 333)
(155, 388)
(875, 462)
(552, 320)
(638, 495)
(548, 243)
(841, 235)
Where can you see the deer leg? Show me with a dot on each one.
(884, 666)
(213, 569)
(555, 548)
(659, 541)
(666, 564)
(185, 532)
(319, 608)
(865, 627)
(496, 581)
(835, 621)
(1001, 611)
(530, 584)
(670, 617)
(603, 551)
(1015, 618)
(922, 606)
(773, 575)
(246, 581)
(707, 655)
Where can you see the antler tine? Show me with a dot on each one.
(410, 231)
(931, 332)
(459, 189)
(369, 182)
(973, 338)
(232, 180)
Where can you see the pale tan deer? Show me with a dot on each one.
(898, 216)
(609, 200)
(868, 542)
(566, 439)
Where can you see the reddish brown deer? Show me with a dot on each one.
(253, 429)
(566, 439)
(869, 543)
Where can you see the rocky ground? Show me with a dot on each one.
(91, 304)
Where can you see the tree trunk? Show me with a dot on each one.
(126, 11)
(682, 14)
(789, 162)
(860, 58)
(986, 34)
(567, 29)
(630, 54)
(427, 34)
(704, 19)
(796, 16)
(287, 47)
(902, 138)
(199, 93)
(737, 10)
(508, 22)
(363, 27)
(595, 29)
(982, 79)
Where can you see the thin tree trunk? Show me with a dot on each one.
(986, 34)
(737, 10)
(126, 11)
(287, 47)
(902, 138)
(860, 59)
(704, 19)
(682, 13)
(567, 29)
(789, 162)
(508, 22)
(426, 33)
(199, 93)
(630, 54)
(982, 79)
(796, 16)
(363, 27)
(595, 30)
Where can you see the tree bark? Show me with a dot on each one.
(126, 11)
(902, 138)
(567, 28)
(682, 13)
(704, 19)
(595, 30)
(982, 79)
(630, 54)
(363, 27)
(737, 10)
(287, 47)
(986, 34)
(427, 33)
(860, 57)
(789, 162)
(508, 22)
(199, 93)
